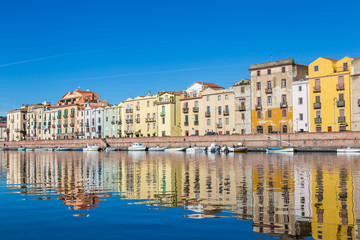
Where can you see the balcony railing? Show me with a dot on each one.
(58, 116)
(65, 124)
(53, 126)
(258, 106)
(162, 114)
(340, 87)
(65, 116)
(195, 109)
(137, 108)
(59, 125)
(186, 123)
(242, 108)
(268, 90)
(340, 103)
(137, 120)
(226, 113)
(72, 115)
(130, 110)
(129, 121)
(317, 89)
(341, 119)
(317, 105)
(196, 123)
(112, 122)
(283, 105)
(149, 120)
(207, 114)
(72, 124)
(317, 120)
(219, 125)
(185, 110)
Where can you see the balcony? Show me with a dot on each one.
(207, 114)
(65, 124)
(53, 118)
(268, 90)
(137, 108)
(317, 89)
(219, 125)
(53, 126)
(65, 116)
(317, 120)
(340, 103)
(196, 123)
(72, 124)
(317, 105)
(112, 122)
(129, 121)
(149, 119)
(258, 106)
(72, 115)
(162, 114)
(341, 119)
(137, 120)
(119, 122)
(87, 125)
(283, 105)
(185, 110)
(186, 123)
(39, 127)
(28, 127)
(242, 108)
(130, 110)
(58, 116)
(195, 109)
(226, 113)
(12, 121)
(340, 87)
(59, 125)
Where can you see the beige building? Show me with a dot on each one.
(120, 118)
(242, 95)
(355, 94)
(16, 124)
(41, 121)
(192, 108)
(219, 111)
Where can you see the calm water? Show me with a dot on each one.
(138, 195)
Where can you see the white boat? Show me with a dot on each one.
(157, 148)
(137, 147)
(225, 149)
(195, 149)
(91, 148)
(29, 149)
(62, 149)
(279, 149)
(40, 150)
(213, 148)
(179, 149)
(111, 149)
(348, 150)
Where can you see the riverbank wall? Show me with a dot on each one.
(301, 141)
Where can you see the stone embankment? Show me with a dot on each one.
(255, 142)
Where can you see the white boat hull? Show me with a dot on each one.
(281, 149)
(136, 148)
(110, 149)
(348, 150)
(195, 150)
(157, 149)
(182, 149)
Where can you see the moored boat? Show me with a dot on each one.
(348, 150)
(21, 149)
(213, 148)
(111, 149)
(29, 149)
(179, 149)
(157, 148)
(91, 148)
(279, 149)
(195, 149)
(239, 149)
(62, 149)
(137, 147)
(40, 150)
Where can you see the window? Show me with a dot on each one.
(341, 97)
(316, 68)
(107, 119)
(283, 83)
(342, 128)
(207, 98)
(283, 98)
(242, 116)
(318, 128)
(269, 100)
(99, 120)
(258, 73)
(269, 71)
(284, 128)
(269, 113)
(284, 113)
(163, 120)
(259, 114)
(318, 113)
(317, 98)
(300, 100)
(300, 88)
(226, 97)
(259, 101)
(219, 110)
(268, 83)
(227, 121)
(259, 129)
(270, 129)
(345, 66)
(219, 97)
(340, 83)
(283, 69)
(301, 116)
(242, 90)
(208, 122)
(258, 86)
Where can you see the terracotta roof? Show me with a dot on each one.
(2, 124)
(210, 84)
(331, 59)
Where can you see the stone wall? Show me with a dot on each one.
(251, 140)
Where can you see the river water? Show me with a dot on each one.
(144, 195)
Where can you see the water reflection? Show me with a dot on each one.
(291, 196)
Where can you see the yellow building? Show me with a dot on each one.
(271, 86)
(329, 84)
(16, 124)
(169, 111)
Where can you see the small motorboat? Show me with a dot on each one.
(111, 149)
(238, 149)
(29, 149)
(41, 150)
(77, 149)
(195, 149)
(62, 149)
(279, 149)
(348, 150)
(179, 149)
(157, 149)
(225, 149)
(21, 149)
(214, 148)
(137, 147)
(91, 148)
(4, 149)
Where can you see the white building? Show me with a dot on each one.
(301, 107)
(93, 117)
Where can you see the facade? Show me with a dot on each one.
(242, 95)
(168, 114)
(301, 106)
(110, 121)
(271, 85)
(329, 83)
(3, 136)
(144, 116)
(94, 119)
(355, 94)
(41, 122)
(120, 119)
(16, 124)
(192, 109)
(219, 111)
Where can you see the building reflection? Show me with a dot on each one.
(291, 196)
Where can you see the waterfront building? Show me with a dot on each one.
(120, 118)
(242, 95)
(49, 123)
(355, 94)
(79, 118)
(93, 118)
(192, 109)
(144, 116)
(301, 106)
(39, 126)
(3, 136)
(128, 120)
(219, 111)
(16, 124)
(168, 114)
(67, 109)
(271, 86)
(329, 83)
(110, 121)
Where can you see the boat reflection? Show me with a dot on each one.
(291, 196)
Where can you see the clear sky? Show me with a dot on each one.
(123, 49)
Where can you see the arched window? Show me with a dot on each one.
(284, 128)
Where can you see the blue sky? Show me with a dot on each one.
(123, 49)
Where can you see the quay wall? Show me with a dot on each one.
(300, 140)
